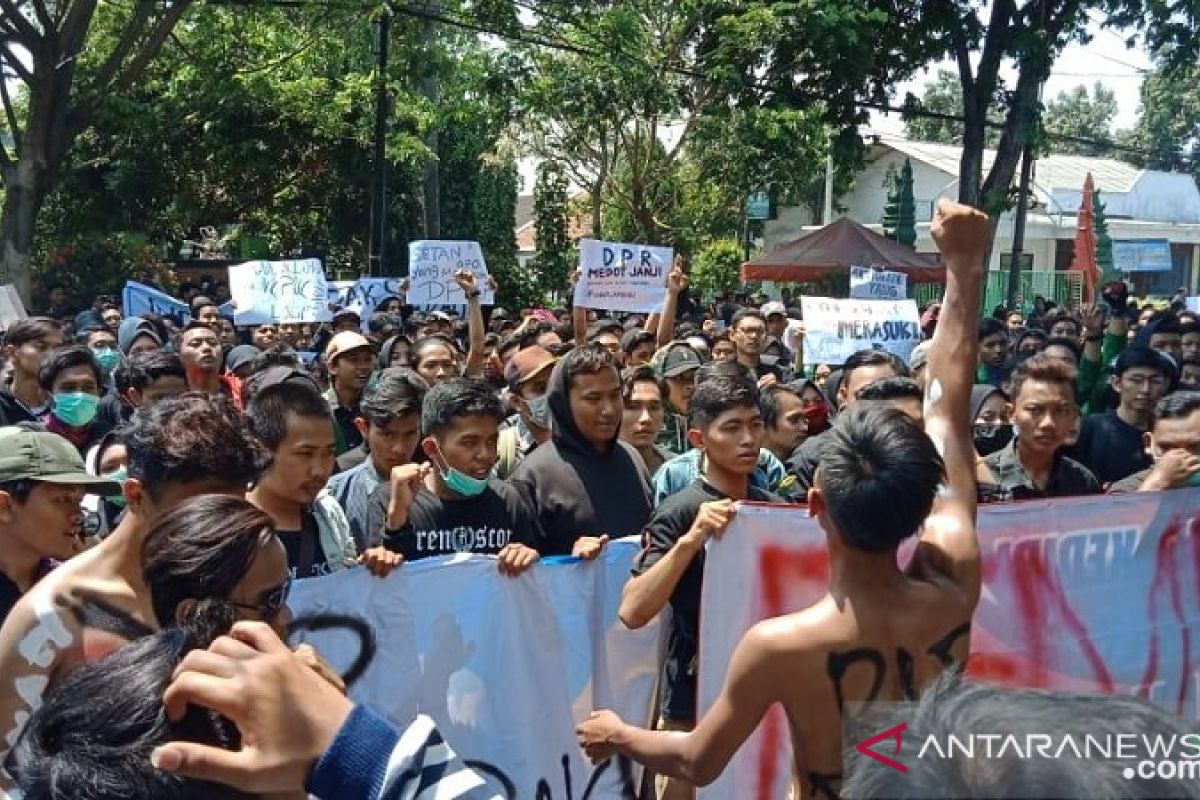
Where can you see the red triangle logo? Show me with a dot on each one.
(895, 733)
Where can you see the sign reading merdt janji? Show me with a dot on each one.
(619, 276)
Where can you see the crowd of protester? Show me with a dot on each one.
(162, 479)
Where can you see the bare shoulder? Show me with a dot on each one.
(948, 553)
(793, 641)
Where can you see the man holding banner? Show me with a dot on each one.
(882, 632)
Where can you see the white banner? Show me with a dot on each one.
(11, 307)
(617, 276)
(505, 666)
(279, 291)
(432, 265)
(836, 329)
(869, 283)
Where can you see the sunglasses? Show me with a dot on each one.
(272, 605)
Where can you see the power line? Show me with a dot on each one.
(908, 111)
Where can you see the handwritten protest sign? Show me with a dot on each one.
(506, 666)
(337, 293)
(432, 265)
(279, 291)
(869, 283)
(1079, 595)
(138, 300)
(617, 276)
(11, 307)
(836, 329)
(367, 294)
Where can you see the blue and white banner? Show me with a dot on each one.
(367, 294)
(138, 300)
(505, 666)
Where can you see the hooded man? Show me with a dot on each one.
(584, 485)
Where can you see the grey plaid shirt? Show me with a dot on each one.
(352, 489)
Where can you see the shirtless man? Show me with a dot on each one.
(913, 622)
(184, 446)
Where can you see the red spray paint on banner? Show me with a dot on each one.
(777, 567)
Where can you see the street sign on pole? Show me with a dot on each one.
(758, 205)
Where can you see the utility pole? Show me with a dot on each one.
(1034, 128)
(379, 165)
(1014, 267)
(431, 90)
(827, 211)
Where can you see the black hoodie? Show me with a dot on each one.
(574, 490)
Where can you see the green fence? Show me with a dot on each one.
(1064, 288)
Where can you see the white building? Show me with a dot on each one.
(1141, 205)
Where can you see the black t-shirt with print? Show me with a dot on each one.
(671, 520)
(437, 527)
(306, 557)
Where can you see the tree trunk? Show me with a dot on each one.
(970, 166)
(23, 197)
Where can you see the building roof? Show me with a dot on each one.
(1050, 171)
(1127, 190)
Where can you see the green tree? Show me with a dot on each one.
(943, 95)
(1078, 115)
(1104, 244)
(551, 212)
(737, 151)
(1169, 125)
(66, 60)
(900, 216)
(982, 35)
(602, 108)
(257, 119)
(496, 208)
(716, 268)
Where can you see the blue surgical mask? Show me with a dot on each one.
(76, 408)
(539, 411)
(107, 359)
(120, 476)
(460, 482)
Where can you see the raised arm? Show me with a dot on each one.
(475, 331)
(948, 543)
(677, 281)
(579, 314)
